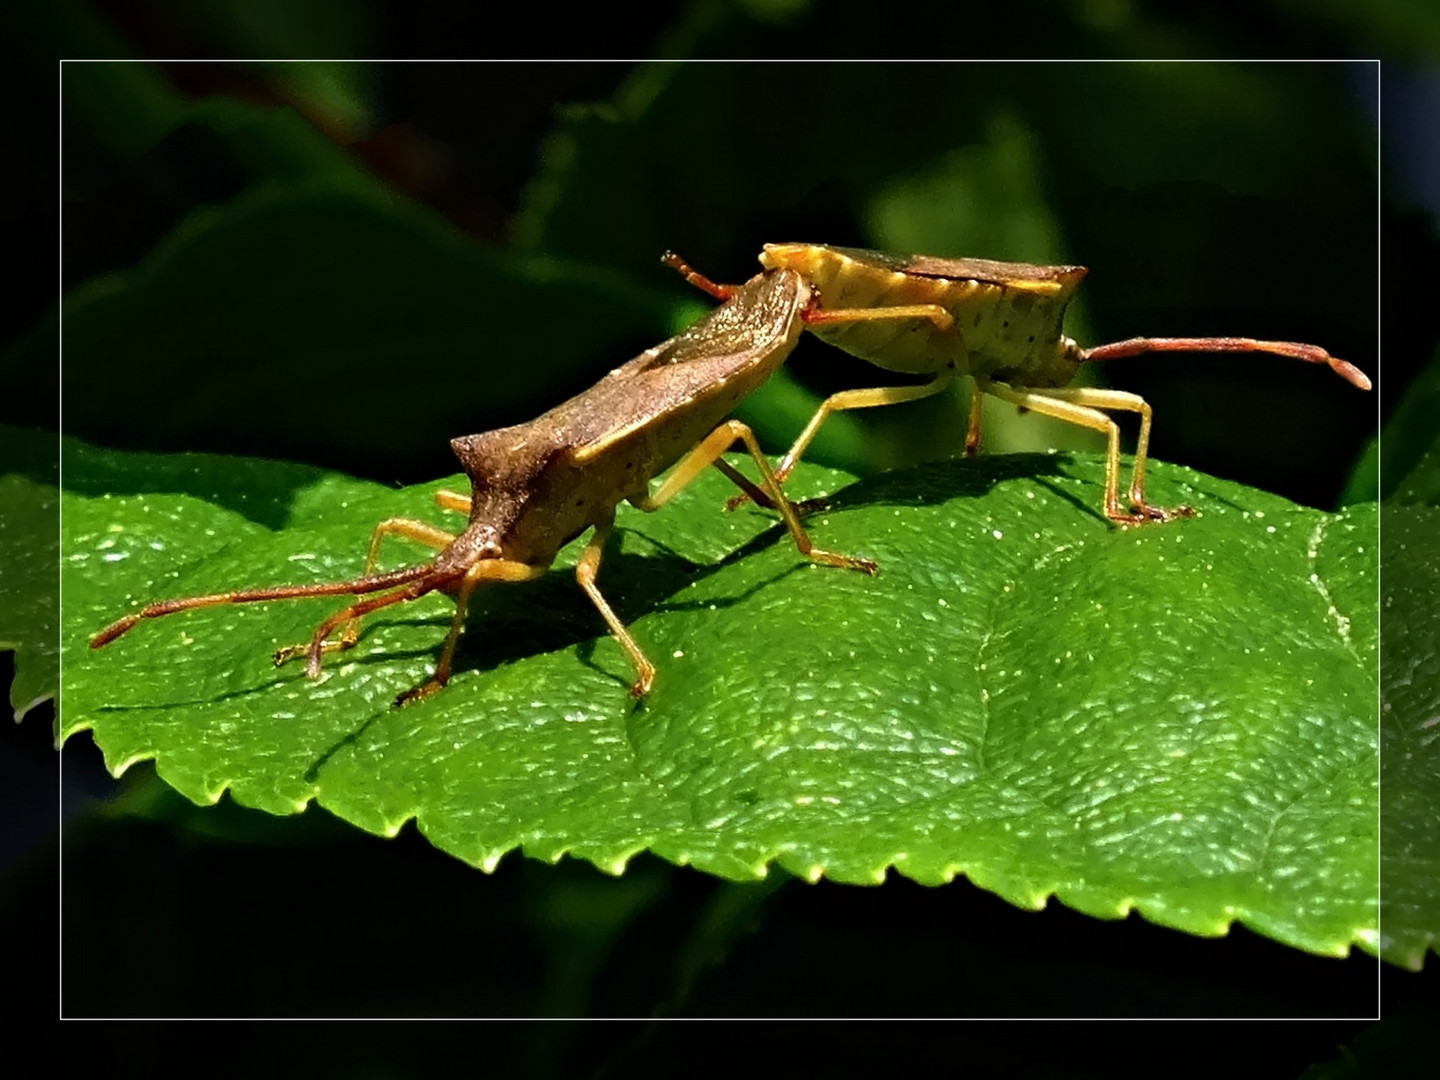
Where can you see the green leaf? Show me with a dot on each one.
(1410, 733)
(1410, 711)
(1408, 473)
(1178, 720)
(29, 557)
(1408, 469)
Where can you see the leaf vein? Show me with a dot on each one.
(1341, 621)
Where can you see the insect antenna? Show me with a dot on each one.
(694, 277)
(356, 587)
(1295, 350)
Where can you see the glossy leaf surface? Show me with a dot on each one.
(1178, 720)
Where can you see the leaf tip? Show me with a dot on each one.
(119, 768)
(21, 710)
(391, 829)
(491, 861)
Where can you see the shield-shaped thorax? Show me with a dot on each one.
(539, 485)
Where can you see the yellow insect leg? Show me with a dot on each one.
(849, 399)
(972, 430)
(858, 399)
(1118, 399)
(483, 571)
(585, 572)
(453, 500)
(941, 318)
(1080, 406)
(708, 452)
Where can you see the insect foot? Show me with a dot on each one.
(1145, 514)
(419, 693)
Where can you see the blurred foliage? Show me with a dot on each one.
(1206, 199)
(1401, 467)
(30, 564)
(246, 273)
(1410, 674)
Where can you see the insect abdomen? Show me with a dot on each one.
(1001, 326)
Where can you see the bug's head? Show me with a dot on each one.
(481, 542)
(1051, 363)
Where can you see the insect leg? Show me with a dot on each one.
(708, 452)
(972, 430)
(1081, 410)
(752, 491)
(415, 530)
(1119, 399)
(318, 646)
(818, 316)
(744, 483)
(850, 399)
(858, 399)
(585, 571)
(453, 500)
(482, 571)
